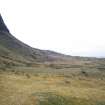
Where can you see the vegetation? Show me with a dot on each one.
(49, 86)
(31, 76)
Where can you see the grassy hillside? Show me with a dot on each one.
(13, 49)
(13, 52)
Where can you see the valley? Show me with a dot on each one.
(30, 76)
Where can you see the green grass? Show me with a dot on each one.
(54, 99)
(49, 98)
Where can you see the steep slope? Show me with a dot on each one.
(12, 49)
(3, 27)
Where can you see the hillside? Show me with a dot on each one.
(16, 52)
(30, 76)
(13, 52)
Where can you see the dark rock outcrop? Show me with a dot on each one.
(3, 27)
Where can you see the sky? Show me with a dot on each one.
(73, 27)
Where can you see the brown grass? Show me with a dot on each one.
(18, 89)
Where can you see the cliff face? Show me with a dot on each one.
(3, 27)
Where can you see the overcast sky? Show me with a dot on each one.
(74, 27)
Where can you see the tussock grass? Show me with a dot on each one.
(50, 88)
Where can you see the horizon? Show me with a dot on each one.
(74, 28)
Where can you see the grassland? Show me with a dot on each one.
(49, 86)
(30, 76)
